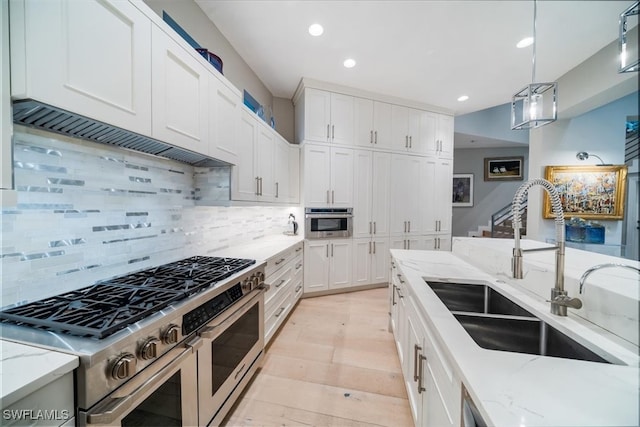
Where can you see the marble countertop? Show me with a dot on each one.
(514, 389)
(25, 369)
(261, 249)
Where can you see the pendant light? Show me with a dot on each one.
(628, 51)
(536, 104)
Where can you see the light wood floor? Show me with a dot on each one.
(333, 363)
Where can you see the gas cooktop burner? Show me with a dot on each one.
(104, 308)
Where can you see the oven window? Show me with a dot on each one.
(233, 345)
(328, 224)
(162, 408)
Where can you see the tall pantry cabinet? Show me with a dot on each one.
(391, 163)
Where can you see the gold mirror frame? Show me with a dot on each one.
(581, 188)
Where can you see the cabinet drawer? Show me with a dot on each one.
(276, 262)
(277, 284)
(278, 312)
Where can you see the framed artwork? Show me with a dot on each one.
(462, 195)
(503, 168)
(588, 192)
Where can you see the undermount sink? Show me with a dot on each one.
(495, 322)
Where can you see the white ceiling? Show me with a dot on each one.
(427, 51)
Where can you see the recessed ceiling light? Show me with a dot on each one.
(316, 30)
(463, 98)
(349, 63)
(527, 41)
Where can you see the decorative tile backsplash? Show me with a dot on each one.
(87, 212)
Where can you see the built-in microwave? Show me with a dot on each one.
(328, 223)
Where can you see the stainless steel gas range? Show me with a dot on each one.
(171, 345)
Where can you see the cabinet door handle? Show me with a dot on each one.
(409, 229)
(299, 249)
(370, 137)
(400, 278)
(328, 197)
(375, 140)
(280, 261)
(374, 227)
(257, 186)
(333, 132)
(333, 197)
(393, 295)
(298, 266)
(261, 186)
(405, 226)
(298, 288)
(374, 247)
(279, 312)
(332, 249)
(327, 131)
(369, 247)
(406, 141)
(369, 227)
(281, 282)
(277, 190)
(421, 374)
(410, 141)
(327, 251)
(408, 244)
(416, 349)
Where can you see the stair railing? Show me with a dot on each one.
(505, 214)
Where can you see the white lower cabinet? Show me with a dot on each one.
(370, 261)
(433, 387)
(283, 274)
(328, 264)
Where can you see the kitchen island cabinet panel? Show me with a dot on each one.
(88, 57)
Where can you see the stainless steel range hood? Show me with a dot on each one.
(43, 116)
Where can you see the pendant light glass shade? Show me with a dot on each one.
(534, 105)
(628, 46)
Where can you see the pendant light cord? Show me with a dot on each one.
(535, 40)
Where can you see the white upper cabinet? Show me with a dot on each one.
(88, 57)
(281, 171)
(294, 173)
(406, 124)
(224, 120)
(371, 193)
(244, 181)
(435, 203)
(262, 171)
(445, 136)
(328, 176)
(180, 111)
(405, 194)
(327, 117)
(372, 123)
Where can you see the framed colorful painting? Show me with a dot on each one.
(588, 192)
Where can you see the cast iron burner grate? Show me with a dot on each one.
(104, 308)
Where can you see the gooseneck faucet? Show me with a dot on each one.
(599, 266)
(559, 298)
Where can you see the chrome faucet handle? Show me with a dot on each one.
(566, 301)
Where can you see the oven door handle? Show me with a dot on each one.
(124, 398)
(211, 332)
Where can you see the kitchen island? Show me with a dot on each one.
(507, 388)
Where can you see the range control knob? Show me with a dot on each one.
(171, 334)
(149, 349)
(247, 285)
(123, 367)
(258, 279)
